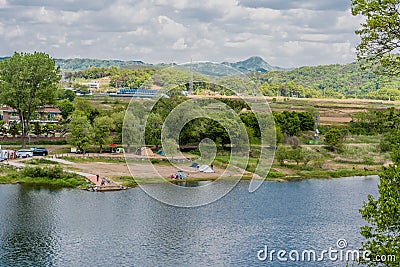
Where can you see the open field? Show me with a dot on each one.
(331, 111)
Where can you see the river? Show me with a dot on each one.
(43, 227)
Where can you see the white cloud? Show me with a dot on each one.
(179, 44)
(3, 3)
(40, 37)
(88, 42)
(286, 33)
(295, 4)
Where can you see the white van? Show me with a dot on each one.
(24, 153)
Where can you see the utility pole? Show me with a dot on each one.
(316, 135)
(191, 78)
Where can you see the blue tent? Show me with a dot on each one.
(194, 165)
(161, 152)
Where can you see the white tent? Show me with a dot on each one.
(144, 151)
(205, 168)
(180, 175)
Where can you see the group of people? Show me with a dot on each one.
(102, 180)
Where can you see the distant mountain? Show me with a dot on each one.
(252, 64)
(213, 69)
(85, 63)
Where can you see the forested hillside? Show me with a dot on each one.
(85, 63)
(340, 81)
(337, 81)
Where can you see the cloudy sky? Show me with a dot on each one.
(286, 33)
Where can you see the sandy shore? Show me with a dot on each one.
(145, 170)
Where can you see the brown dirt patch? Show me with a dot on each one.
(144, 170)
(335, 119)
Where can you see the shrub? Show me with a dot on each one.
(281, 154)
(55, 172)
(368, 160)
(42, 161)
(297, 155)
(334, 139)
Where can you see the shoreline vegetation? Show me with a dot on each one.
(320, 175)
(55, 177)
(129, 182)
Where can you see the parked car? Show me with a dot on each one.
(24, 153)
(77, 150)
(40, 151)
(120, 150)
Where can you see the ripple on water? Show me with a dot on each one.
(41, 227)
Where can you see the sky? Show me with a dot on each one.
(286, 33)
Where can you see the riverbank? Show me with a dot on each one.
(114, 168)
(42, 176)
(289, 178)
(51, 177)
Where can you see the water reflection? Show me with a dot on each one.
(28, 236)
(192, 183)
(41, 227)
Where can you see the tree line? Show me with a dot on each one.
(331, 81)
(337, 81)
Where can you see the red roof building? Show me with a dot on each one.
(47, 114)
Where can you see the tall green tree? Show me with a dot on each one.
(80, 131)
(27, 83)
(101, 131)
(306, 121)
(383, 216)
(86, 109)
(118, 118)
(380, 43)
(154, 125)
(66, 107)
(289, 122)
(334, 139)
(132, 130)
(67, 94)
(380, 34)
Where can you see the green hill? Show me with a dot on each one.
(252, 64)
(347, 80)
(85, 63)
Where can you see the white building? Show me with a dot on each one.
(92, 85)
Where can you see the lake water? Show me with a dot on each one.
(42, 227)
